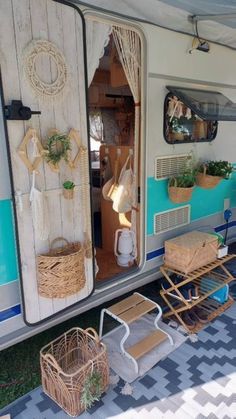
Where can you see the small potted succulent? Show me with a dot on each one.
(180, 188)
(68, 189)
(211, 172)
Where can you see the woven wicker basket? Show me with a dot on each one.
(61, 271)
(207, 181)
(179, 195)
(67, 362)
(190, 251)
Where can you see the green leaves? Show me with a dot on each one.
(217, 168)
(186, 179)
(92, 389)
(58, 146)
(68, 184)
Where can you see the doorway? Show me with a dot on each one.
(113, 143)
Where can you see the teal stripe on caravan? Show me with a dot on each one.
(8, 259)
(204, 202)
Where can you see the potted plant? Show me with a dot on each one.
(211, 172)
(58, 146)
(180, 188)
(68, 189)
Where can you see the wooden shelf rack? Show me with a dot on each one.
(128, 311)
(214, 270)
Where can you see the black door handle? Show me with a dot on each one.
(18, 112)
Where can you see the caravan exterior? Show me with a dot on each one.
(45, 64)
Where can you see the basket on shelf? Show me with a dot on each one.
(66, 365)
(61, 271)
(190, 251)
(207, 181)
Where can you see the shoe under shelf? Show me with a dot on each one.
(217, 281)
(213, 308)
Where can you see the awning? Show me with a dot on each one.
(208, 105)
(216, 19)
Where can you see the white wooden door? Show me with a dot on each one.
(22, 22)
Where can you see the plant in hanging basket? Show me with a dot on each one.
(180, 188)
(58, 146)
(212, 172)
(68, 189)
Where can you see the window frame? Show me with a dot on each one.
(165, 125)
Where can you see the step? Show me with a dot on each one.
(147, 344)
(126, 304)
(137, 311)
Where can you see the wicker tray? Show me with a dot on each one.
(67, 362)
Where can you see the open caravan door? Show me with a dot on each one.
(43, 69)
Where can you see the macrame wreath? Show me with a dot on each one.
(42, 88)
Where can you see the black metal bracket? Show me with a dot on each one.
(18, 112)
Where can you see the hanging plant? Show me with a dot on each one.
(58, 146)
(92, 389)
(68, 189)
(212, 172)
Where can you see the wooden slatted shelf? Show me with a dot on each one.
(147, 344)
(195, 277)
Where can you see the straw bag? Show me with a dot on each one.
(122, 200)
(66, 365)
(61, 271)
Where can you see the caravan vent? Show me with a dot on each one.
(168, 220)
(168, 166)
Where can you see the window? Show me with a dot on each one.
(183, 125)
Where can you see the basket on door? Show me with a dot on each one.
(61, 271)
(67, 364)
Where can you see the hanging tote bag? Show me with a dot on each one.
(122, 198)
(110, 186)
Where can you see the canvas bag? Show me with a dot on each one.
(110, 186)
(122, 199)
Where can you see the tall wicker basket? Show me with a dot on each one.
(61, 271)
(67, 362)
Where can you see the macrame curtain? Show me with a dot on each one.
(96, 126)
(129, 50)
(97, 38)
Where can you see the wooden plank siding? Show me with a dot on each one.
(20, 23)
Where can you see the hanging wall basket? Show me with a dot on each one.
(32, 53)
(61, 271)
(180, 195)
(207, 181)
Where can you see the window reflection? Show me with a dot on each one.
(181, 124)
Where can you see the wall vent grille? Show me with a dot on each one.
(168, 220)
(168, 166)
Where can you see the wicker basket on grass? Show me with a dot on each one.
(207, 181)
(67, 365)
(61, 271)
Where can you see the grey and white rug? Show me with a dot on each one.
(196, 381)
